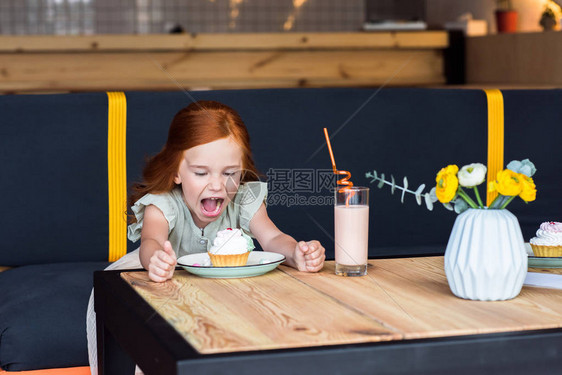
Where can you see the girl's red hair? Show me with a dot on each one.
(197, 124)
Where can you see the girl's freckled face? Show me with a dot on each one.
(209, 175)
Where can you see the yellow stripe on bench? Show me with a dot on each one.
(495, 138)
(117, 174)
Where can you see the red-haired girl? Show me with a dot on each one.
(204, 180)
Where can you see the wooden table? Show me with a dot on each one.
(401, 318)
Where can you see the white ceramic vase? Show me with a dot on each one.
(485, 257)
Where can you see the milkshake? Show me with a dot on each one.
(351, 225)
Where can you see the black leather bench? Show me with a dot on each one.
(54, 167)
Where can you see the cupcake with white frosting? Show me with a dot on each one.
(230, 248)
(548, 241)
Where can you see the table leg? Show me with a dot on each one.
(112, 359)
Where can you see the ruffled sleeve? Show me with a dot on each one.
(249, 198)
(164, 202)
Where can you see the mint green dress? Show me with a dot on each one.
(183, 234)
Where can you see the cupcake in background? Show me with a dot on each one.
(230, 248)
(548, 241)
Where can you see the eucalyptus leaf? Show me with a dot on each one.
(404, 189)
(460, 205)
(428, 202)
(428, 197)
(498, 202)
(418, 193)
(526, 170)
(433, 195)
(514, 165)
(525, 167)
(420, 189)
(531, 166)
(381, 184)
(448, 206)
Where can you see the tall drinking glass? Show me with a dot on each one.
(351, 224)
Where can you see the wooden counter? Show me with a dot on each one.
(517, 60)
(220, 61)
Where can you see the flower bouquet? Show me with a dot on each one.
(452, 185)
(485, 258)
(514, 181)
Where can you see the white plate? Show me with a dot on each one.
(259, 262)
(542, 262)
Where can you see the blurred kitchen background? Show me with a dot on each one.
(72, 17)
(88, 45)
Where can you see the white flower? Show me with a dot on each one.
(472, 174)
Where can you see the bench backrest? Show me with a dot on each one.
(54, 167)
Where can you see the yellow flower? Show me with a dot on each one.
(507, 183)
(450, 169)
(529, 189)
(447, 183)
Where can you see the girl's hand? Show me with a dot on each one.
(162, 264)
(309, 256)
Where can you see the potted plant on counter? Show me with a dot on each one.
(548, 19)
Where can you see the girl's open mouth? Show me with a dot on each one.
(211, 207)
